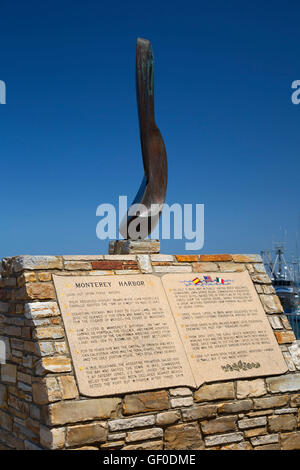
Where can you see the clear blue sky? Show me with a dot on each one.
(69, 137)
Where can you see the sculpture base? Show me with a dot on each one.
(126, 247)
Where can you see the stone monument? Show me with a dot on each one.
(141, 350)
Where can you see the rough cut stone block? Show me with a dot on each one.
(231, 267)
(86, 434)
(8, 373)
(181, 401)
(21, 263)
(283, 383)
(143, 402)
(81, 410)
(247, 258)
(173, 269)
(223, 439)
(40, 290)
(284, 337)
(168, 417)
(78, 265)
(248, 423)
(56, 364)
(180, 392)
(52, 438)
(267, 439)
(68, 387)
(222, 257)
(199, 412)
(129, 423)
(251, 388)
(151, 445)
(285, 422)
(271, 303)
(210, 392)
(183, 436)
(295, 354)
(219, 425)
(144, 263)
(144, 434)
(290, 441)
(36, 310)
(270, 402)
(205, 267)
(46, 391)
(235, 407)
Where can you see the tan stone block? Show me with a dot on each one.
(8, 373)
(40, 290)
(29, 262)
(238, 446)
(52, 438)
(50, 332)
(231, 267)
(251, 388)
(235, 407)
(268, 447)
(144, 435)
(44, 277)
(219, 425)
(284, 337)
(183, 437)
(168, 417)
(255, 432)
(152, 445)
(25, 277)
(82, 410)
(199, 412)
(271, 303)
(56, 364)
(210, 392)
(143, 402)
(205, 267)
(270, 402)
(115, 445)
(295, 400)
(290, 441)
(261, 278)
(240, 258)
(78, 265)
(46, 391)
(68, 387)
(285, 422)
(86, 434)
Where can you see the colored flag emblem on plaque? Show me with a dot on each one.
(208, 278)
(196, 280)
(219, 280)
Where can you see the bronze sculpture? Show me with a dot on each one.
(152, 191)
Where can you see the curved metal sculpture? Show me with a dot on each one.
(152, 191)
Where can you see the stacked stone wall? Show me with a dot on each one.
(40, 405)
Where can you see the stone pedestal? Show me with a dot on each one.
(126, 247)
(40, 404)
